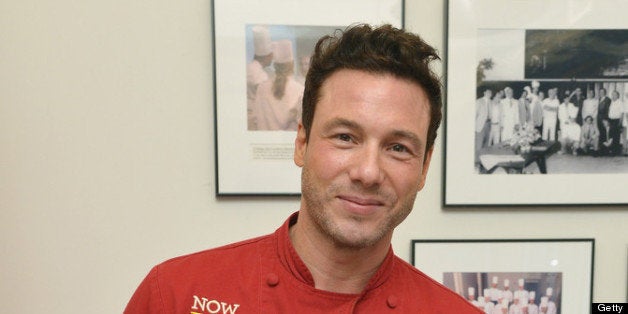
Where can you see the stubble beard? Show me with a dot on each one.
(316, 198)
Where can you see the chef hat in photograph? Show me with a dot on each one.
(487, 292)
(471, 291)
(505, 303)
(549, 292)
(521, 282)
(543, 302)
(506, 283)
(261, 40)
(282, 51)
(495, 279)
(532, 295)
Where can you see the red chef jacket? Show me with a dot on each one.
(265, 275)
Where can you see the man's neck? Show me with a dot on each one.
(333, 268)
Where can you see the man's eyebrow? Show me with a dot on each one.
(410, 136)
(341, 122)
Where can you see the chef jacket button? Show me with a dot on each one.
(272, 279)
(392, 301)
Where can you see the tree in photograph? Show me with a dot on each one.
(484, 65)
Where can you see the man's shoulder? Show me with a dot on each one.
(416, 277)
(215, 257)
(439, 296)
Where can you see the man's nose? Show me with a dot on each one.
(367, 166)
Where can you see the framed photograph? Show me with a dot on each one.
(552, 273)
(537, 103)
(261, 55)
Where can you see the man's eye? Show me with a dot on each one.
(399, 148)
(344, 137)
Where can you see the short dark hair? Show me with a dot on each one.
(382, 50)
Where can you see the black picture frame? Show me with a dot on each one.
(255, 161)
(565, 265)
(507, 31)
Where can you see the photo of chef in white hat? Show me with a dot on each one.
(551, 306)
(521, 293)
(471, 296)
(495, 288)
(278, 58)
(257, 71)
(507, 294)
(278, 101)
(532, 307)
(494, 292)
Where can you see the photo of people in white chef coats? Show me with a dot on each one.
(278, 58)
(509, 292)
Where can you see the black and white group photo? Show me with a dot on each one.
(509, 292)
(551, 101)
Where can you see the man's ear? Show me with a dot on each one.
(426, 165)
(300, 145)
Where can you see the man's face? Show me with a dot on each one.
(365, 159)
(488, 93)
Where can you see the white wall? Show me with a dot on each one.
(107, 164)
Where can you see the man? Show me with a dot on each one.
(543, 306)
(510, 115)
(471, 296)
(590, 107)
(507, 294)
(521, 293)
(277, 101)
(604, 104)
(371, 109)
(495, 116)
(615, 115)
(550, 115)
(516, 307)
(536, 111)
(532, 307)
(488, 304)
(590, 137)
(577, 99)
(524, 108)
(605, 140)
(256, 70)
(551, 306)
(569, 128)
(482, 122)
(494, 292)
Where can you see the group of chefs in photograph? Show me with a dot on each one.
(592, 122)
(274, 89)
(497, 300)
